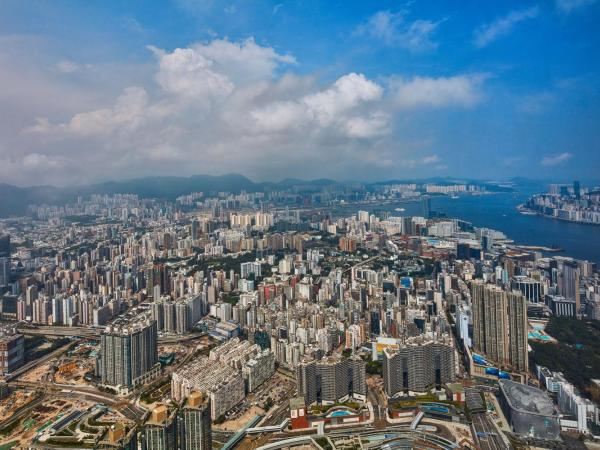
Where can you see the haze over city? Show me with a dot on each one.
(299, 225)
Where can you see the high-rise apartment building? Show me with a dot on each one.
(248, 268)
(160, 431)
(183, 427)
(500, 325)
(330, 380)
(517, 331)
(195, 423)
(418, 365)
(129, 353)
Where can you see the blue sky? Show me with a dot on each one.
(367, 90)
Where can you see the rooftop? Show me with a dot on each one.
(527, 399)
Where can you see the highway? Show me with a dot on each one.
(93, 333)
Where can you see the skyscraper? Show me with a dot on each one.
(195, 423)
(517, 331)
(500, 325)
(426, 206)
(129, 351)
(5, 246)
(568, 281)
(4, 260)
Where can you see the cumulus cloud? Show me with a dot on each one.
(128, 110)
(211, 71)
(224, 106)
(460, 90)
(554, 160)
(488, 33)
(394, 29)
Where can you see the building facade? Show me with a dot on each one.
(418, 365)
(129, 350)
(331, 380)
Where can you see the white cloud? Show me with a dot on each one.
(460, 90)
(129, 109)
(335, 107)
(394, 30)
(211, 71)
(568, 6)
(187, 73)
(68, 66)
(346, 93)
(488, 33)
(554, 160)
(431, 159)
(225, 106)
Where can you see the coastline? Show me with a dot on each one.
(527, 211)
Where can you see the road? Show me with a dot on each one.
(129, 409)
(36, 362)
(93, 333)
(378, 409)
(486, 434)
(366, 261)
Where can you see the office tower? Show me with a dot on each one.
(463, 251)
(500, 324)
(4, 271)
(418, 365)
(195, 227)
(577, 189)
(129, 351)
(4, 260)
(160, 431)
(560, 306)
(426, 206)
(195, 423)
(568, 281)
(331, 380)
(529, 287)
(5, 246)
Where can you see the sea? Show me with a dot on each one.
(499, 211)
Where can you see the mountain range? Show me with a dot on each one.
(14, 200)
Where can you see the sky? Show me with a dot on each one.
(352, 90)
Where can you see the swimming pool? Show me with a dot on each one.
(434, 407)
(340, 413)
(538, 335)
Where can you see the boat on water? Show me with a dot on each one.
(454, 196)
